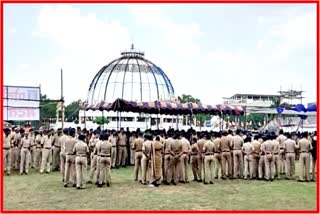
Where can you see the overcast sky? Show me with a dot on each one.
(208, 50)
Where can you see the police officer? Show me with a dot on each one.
(25, 154)
(70, 174)
(80, 150)
(304, 148)
(7, 151)
(137, 147)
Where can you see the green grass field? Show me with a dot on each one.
(46, 192)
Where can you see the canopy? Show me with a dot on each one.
(298, 108)
(162, 107)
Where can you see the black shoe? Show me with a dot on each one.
(103, 183)
(216, 177)
(74, 185)
(65, 185)
(165, 182)
(62, 180)
(96, 183)
(47, 172)
(99, 185)
(89, 182)
(300, 180)
(174, 183)
(78, 188)
(205, 183)
(108, 184)
(200, 180)
(183, 182)
(135, 179)
(223, 178)
(211, 182)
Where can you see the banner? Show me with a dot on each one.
(21, 103)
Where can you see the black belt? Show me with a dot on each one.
(138, 151)
(105, 156)
(57, 146)
(304, 152)
(47, 148)
(158, 149)
(38, 148)
(26, 147)
(6, 148)
(194, 153)
(70, 154)
(114, 146)
(276, 153)
(208, 154)
(290, 152)
(122, 145)
(167, 153)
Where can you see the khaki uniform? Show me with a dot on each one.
(94, 166)
(132, 151)
(156, 162)
(208, 150)
(167, 157)
(201, 143)
(17, 150)
(304, 148)
(195, 156)
(255, 157)
(104, 151)
(56, 152)
(248, 149)
(122, 150)
(25, 155)
(281, 139)
(217, 158)
(81, 149)
(12, 141)
(32, 150)
(137, 147)
(174, 168)
(63, 140)
(237, 143)
(269, 159)
(276, 152)
(262, 164)
(146, 149)
(113, 141)
(7, 153)
(289, 147)
(230, 136)
(70, 167)
(46, 154)
(38, 156)
(225, 146)
(184, 160)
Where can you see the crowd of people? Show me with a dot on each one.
(160, 156)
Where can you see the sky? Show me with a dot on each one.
(210, 51)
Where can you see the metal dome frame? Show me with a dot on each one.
(132, 54)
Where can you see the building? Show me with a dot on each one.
(251, 100)
(134, 78)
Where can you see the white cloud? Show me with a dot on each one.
(85, 44)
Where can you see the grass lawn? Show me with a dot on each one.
(46, 192)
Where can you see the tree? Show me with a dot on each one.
(48, 109)
(72, 111)
(101, 120)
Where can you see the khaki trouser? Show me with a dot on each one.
(56, 157)
(137, 165)
(184, 167)
(237, 163)
(167, 159)
(174, 170)
(132, 156)
(226, 159)
(114, 156)
(208, 165)
(277, 165)
(217, 165)
(195, 167)
(46, 160)
(290, 164)
(93, 168)
(282, 161)
(17, 157)
(70, 169)
(62, 163)
(25, 160)
(122, 154)
(38, 158)
(262, 166)
(305, 166)
(200, 163)
(7, 160)
(33, 156)
(81, 169)
(255, 165)
(248, 166)
(144, 168)
(269, 165)
(104, 169)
